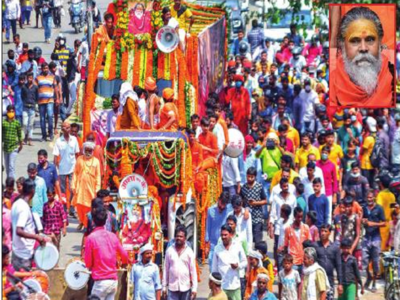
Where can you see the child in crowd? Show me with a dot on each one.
(350, 271)
(392, 227)
(337, 223)
(311, 221)
(267, 264)
(10, 192)
(301, 200)
(20, 184)
(289, 280)
(55, 219)
(282, 224)
(6, 201)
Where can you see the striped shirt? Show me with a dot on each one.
(46, 88)
(63, 55)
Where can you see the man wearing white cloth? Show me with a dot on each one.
(316, 283)
(228, 259)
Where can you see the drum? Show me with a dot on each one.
(46, 257)
(34, 284)
(236, 143)
(76, 274)
(43, 280)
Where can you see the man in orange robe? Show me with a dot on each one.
(239, 99)
(169, 112)
(222, 122)
(86, 182)
(208, 140)
(364, 77)
(128, 112)
(106, 31)
(255, 268)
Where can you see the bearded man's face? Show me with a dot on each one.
(361, 54)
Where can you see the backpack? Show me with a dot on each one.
(377, 153)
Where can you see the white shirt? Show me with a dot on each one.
(111, 121)
(173, 23)
(308, 187)
(230, 171)
(179, 270)
(222, 260)
(142, 109)
(244, 228)
(277, 202)
(218, 131)
(21, 216)
(396, 147)
(281, 230)
(84, 52)
(66, 151)
(298, 64)
(276, 190)
(310, 102)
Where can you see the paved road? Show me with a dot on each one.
(70, 245)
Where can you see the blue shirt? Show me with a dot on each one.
(215, 220)
(267, 296)
(49, 174)
(375, 215)
(40, 197)
(12, 78)
(255, 38)
(146, 279)
(18, 100)
(321, 206)
(235, 46)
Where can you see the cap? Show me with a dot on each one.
(371, 122)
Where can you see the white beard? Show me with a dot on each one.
(364, 73)
(138, 14)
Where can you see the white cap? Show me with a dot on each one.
(371, 122)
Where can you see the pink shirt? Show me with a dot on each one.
(7, 226)
(330, 178)
(180, 272)
(101, 249)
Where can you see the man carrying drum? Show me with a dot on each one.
(24, 229)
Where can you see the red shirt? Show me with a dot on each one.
(101, 249)
(330, 178)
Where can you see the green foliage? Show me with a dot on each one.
(107, 103)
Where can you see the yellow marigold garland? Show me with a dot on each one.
(181, 88)
(136, 67)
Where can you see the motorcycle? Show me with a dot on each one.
(77, 15)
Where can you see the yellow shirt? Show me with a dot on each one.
(302, 155)
(384, 199)
(368, 146)
(320, 284)
(278, 175)
(335, 156)
(183, 18)
(294, 136)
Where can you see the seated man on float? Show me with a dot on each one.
(128, 111)
(169, 112)
(106, 31)
(209, 143)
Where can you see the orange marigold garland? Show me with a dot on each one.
(149, 67)
(181, 88)
(173, 67)
(124, 65)
(136, 67)
(113, 65)
(160, 65)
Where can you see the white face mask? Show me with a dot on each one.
(307, 88)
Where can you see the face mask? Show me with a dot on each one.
(291, 47)
(355, 175)
(353, 118)
(324, 157)
(42, 161)
(10, 115)
(307, 88)
(238, 84)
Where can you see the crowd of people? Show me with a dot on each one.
(320, 184)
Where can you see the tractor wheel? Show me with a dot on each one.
(187, 217)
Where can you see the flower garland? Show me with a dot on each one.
(173, 67)
(113, 62)
(181, 88)
(143, 67)
(136, 66)
(106, 71)
(160, 65)
(124, 65)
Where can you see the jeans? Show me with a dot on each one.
(19, 119)
(9, 162)
(46, 111)
(47, 24)
(105, 289)
(179, 295)
(57, 16)
(72, 86)
(28, 119)
(370, 251)
(330, 198)
(13, 25)
(26, 15)
(21, 263)
(257, 232)
(230, 189)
